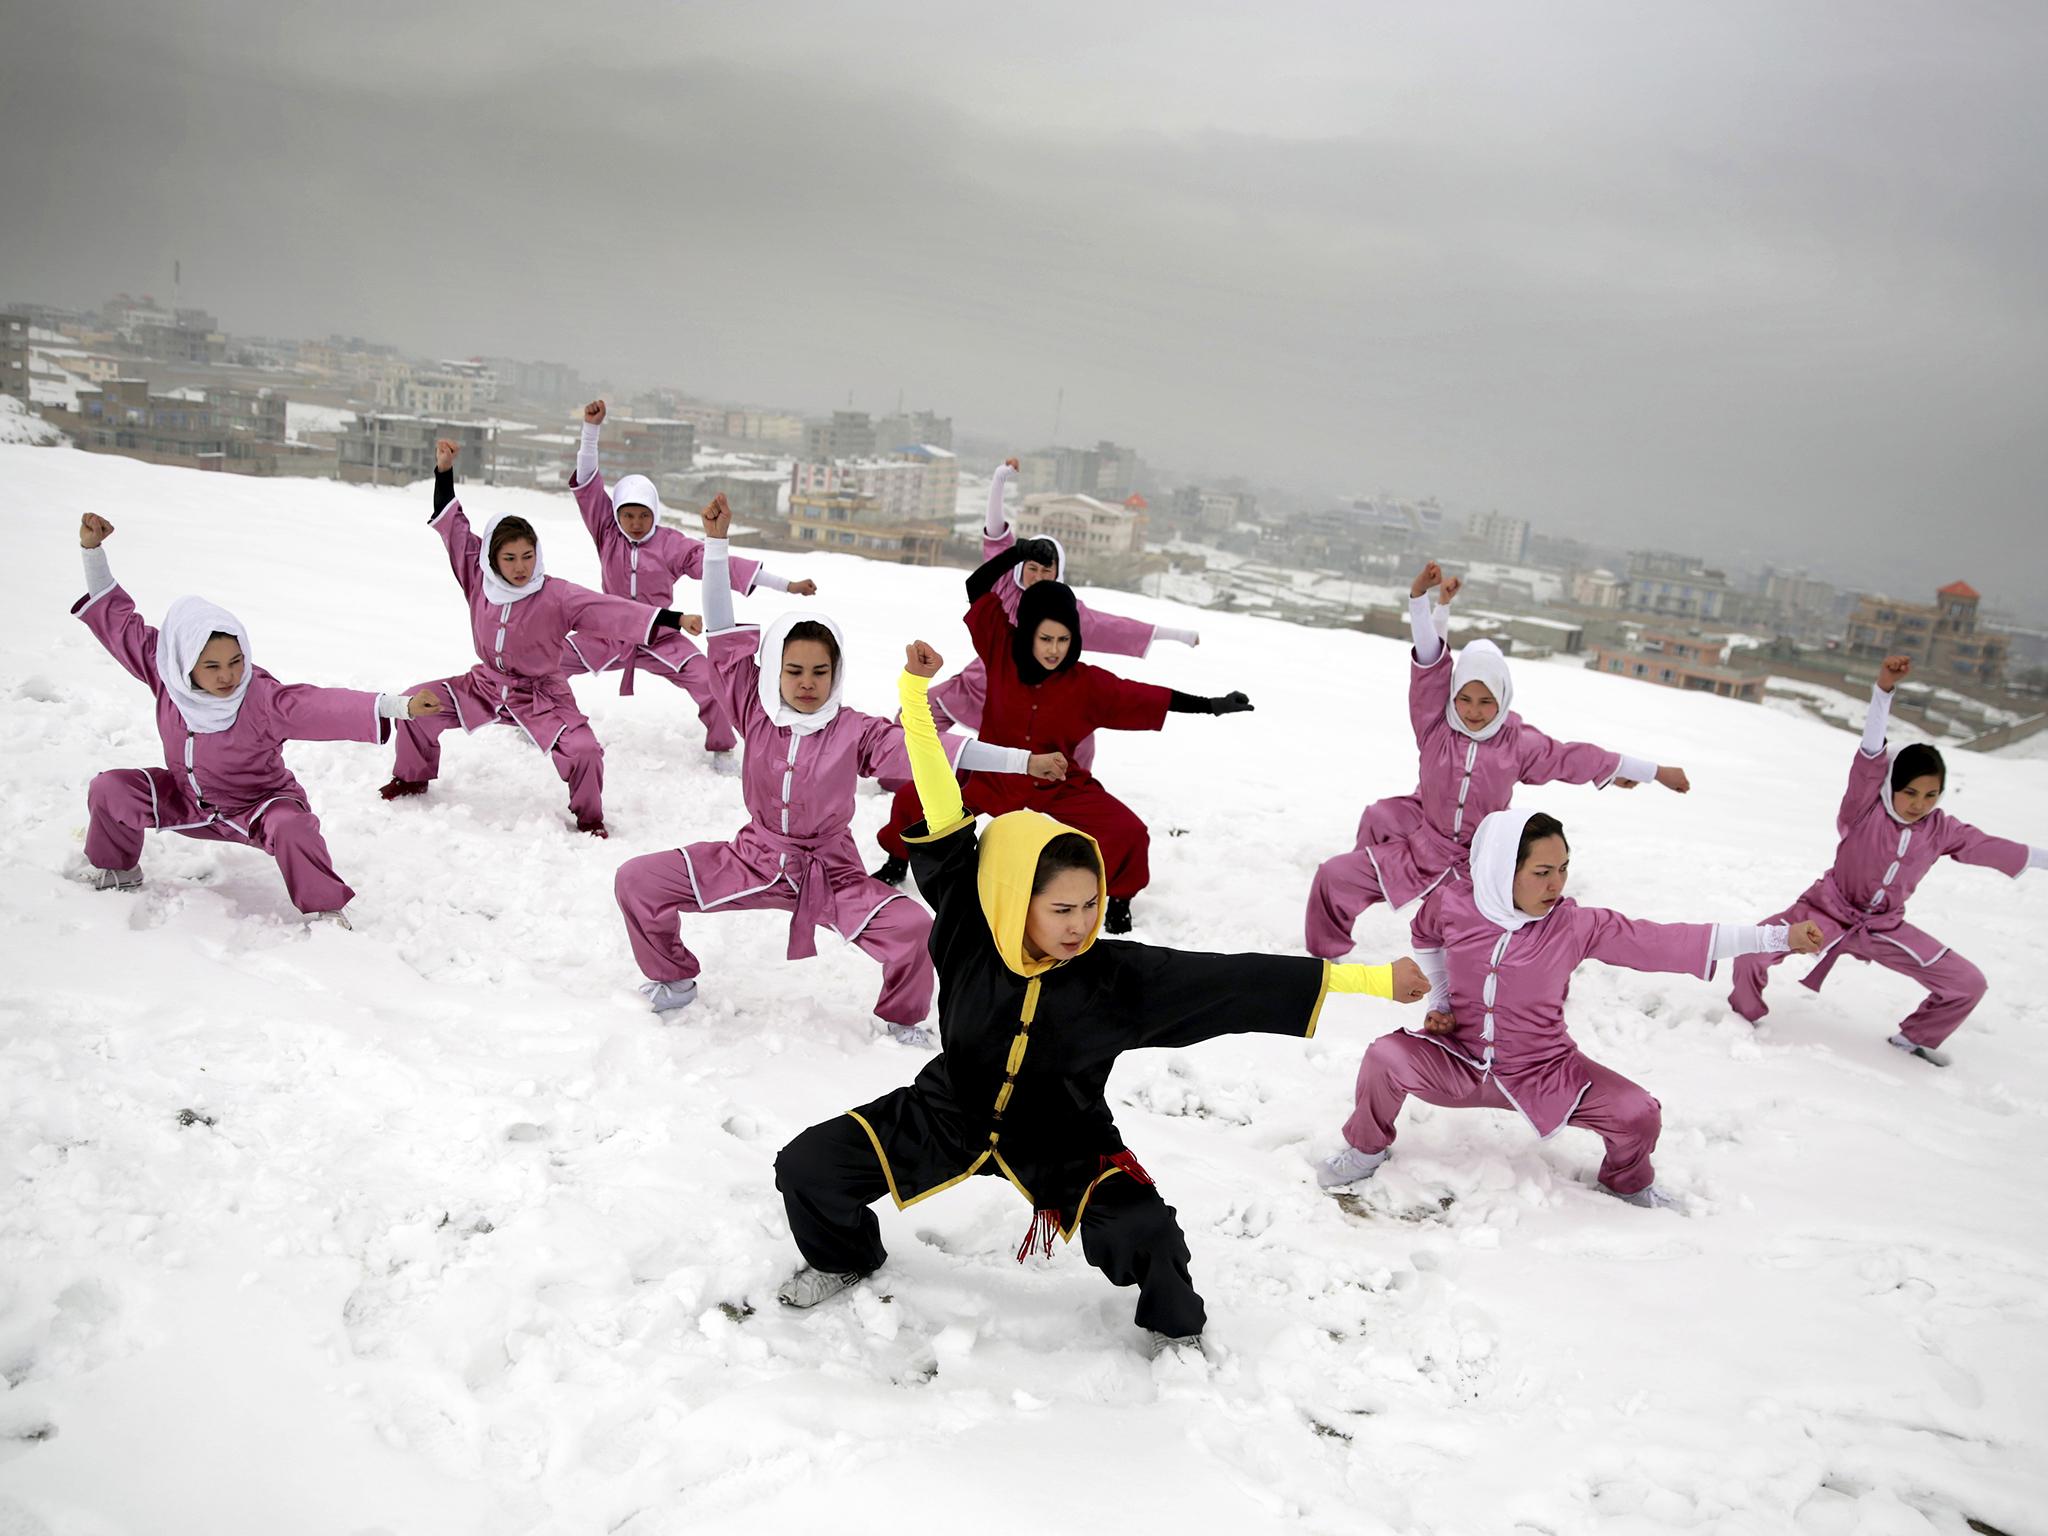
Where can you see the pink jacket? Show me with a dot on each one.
(1879, 862)
(519, 645)
(1508, 989)
(1415, 840)
(236, 774)
(799, 791)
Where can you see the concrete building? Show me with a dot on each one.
(755, 495)
(1942, 637)
(14, 329)
(650, 447)
(397, 448)
(1505, 538)
(941, 479)
(481, 377)
(768, 429)
(848, 435)
(910, 429)
(852, 523)
(1596, 589)
(1693, 663)
(540, 383)
(1093, 531)
(1675, 586)
(897, 486)
(1107, 471)
(256, 413)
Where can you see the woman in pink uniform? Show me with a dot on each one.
(642, 559)
(519, 618)
(224, 722)
(805, 755)
(1891, 831)
(1474, 750)
(1500, 949)
(961, 699)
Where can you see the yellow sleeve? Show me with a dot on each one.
(1372, 980)
(937, 790)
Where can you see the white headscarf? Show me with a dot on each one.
(496, 587)
(636, 490)
(1493, 868)
(1481, 662)
(768, 660)
(1059, 568)
(188, 624)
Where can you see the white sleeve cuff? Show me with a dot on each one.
(1177, 636)
(393, 706)
(1641, 769)
(773, 582)
(1732, 939)
(1438, 970)
(586, 453)
(718, 549)
(2037, 858)
(978, 756)
(1874, 723)
(99, 576)
(1422, 625)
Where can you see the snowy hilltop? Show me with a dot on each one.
(431, 1227)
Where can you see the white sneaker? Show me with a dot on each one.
(668, 996)
(1650, 1198)
(808, 1286)
(117, 879)
(337, 917)
(916, 1036)
(726, 762)
(1165, 1346)
(1926, 1053)
(1349, 1166)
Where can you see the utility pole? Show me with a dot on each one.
(1058, 410)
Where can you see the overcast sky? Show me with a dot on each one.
(1763, 280)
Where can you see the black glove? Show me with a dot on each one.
(1191, 704)
(1230, 704)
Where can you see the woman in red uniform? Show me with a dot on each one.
(1043, 698)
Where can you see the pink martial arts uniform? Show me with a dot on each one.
(646, 571)
(227, 780)
(1406, 845)
(797, 853)
(961, 698)
(1860, 903)
(1506, 987)
(518, 678)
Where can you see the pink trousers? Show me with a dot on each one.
(1954, 986)
(123, 803)
(656, 889)
(577, 755)
(673, 659)
(1400, 1066)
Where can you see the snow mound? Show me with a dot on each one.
(431, 1227)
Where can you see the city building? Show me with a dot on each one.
(848, 435)
(14, 329)
(897, 486)
(257, 413)
(1942, 637)
(850, 522)
(1505, 538)
(767, 429)
(1675, 586)
(1596, 589)
(1106, 471)
(1093, 531)
(912, 429)
(540, 383)
(397, 448)
(648, 446)
(755, 495)
(186, 427)
(1693, 663)
(941, 478)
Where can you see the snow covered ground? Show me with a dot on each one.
(457, 1239)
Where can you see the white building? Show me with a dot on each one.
(897, 485)
(1087, 527)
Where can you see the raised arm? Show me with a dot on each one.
(990, 571)
(938, 792)
(1429, 644)
(451, 523)
(996, 533)
(1871, 766)
(592, 500)
(107, 610)
(945, 853)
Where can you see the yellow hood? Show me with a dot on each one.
(1009, 862)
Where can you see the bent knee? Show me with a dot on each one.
(1964, 980)
(1643, 1119)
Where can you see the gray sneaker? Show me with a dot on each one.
(1349, 1166)
(1926, 1053)
(916, 1036)
(1650, 1198)
(668, 996)
(117, 879)
(808, 1286)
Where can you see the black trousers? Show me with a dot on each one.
(829, 1176)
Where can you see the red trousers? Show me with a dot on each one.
(1082, 803)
